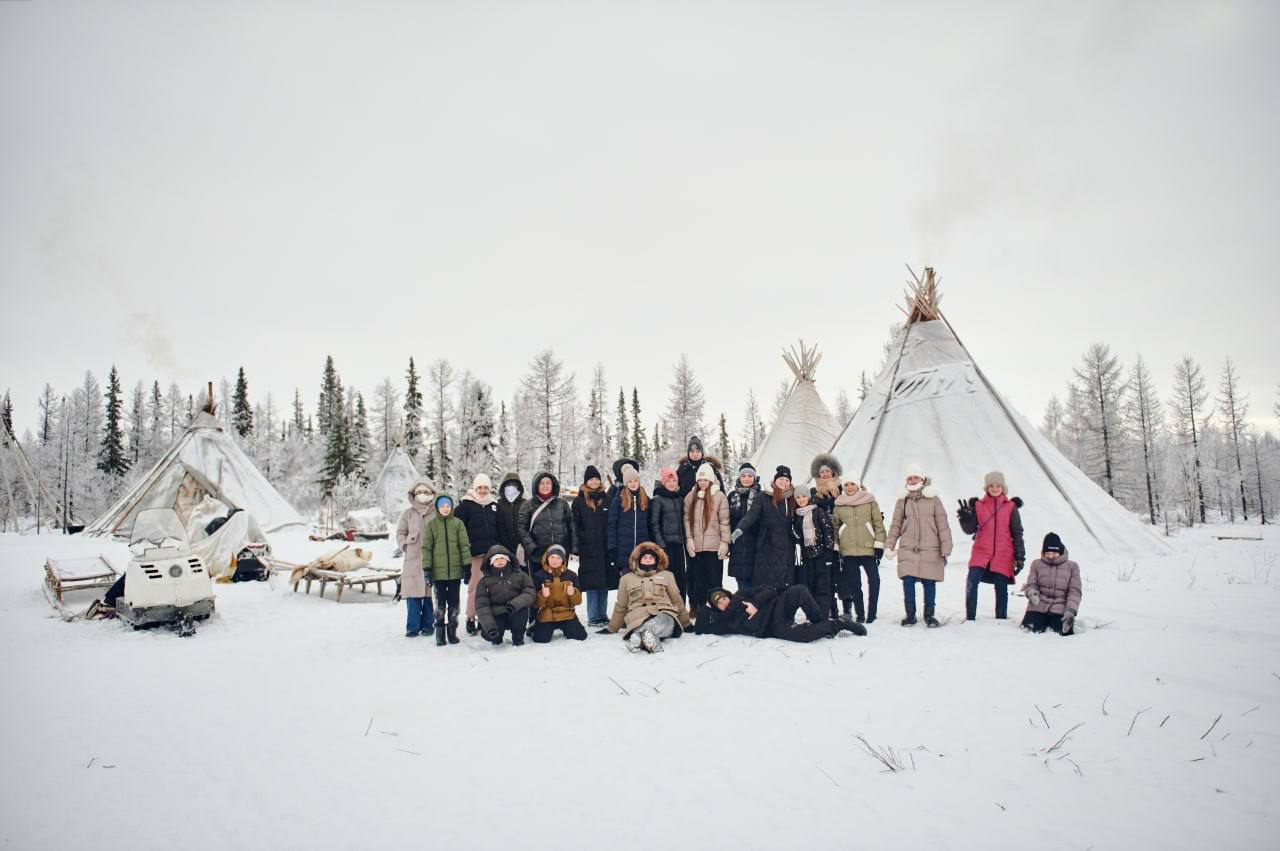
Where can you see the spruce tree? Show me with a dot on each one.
(6, 412)
(329, 410)
(241, 410)
(638, 442)
(299, 424)
(621, 429)
(111, 455)
(723, 445)
(412, 413)
(360, 441)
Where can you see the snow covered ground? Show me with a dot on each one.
(290, 721)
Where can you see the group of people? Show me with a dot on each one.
(663, 552)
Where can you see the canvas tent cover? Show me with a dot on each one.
(942, 415)
(390, 491)
(204, 460)
(804, 428)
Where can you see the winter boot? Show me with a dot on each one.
(855, 628)
(472, 629)
(871, 609)
(453, 632)
(440, 637)
(517, 638)
(650, 642)
(633, 642)
(929, 619)
(910, 619)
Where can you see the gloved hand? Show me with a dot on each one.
(688, 548)
(879, 555)
(1017, 567)
(722, 551)
(1068, 622)
(891, 554)
(737, 533)
(1033, 594)
(965, 513)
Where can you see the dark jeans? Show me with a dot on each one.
(706, 573)
(676, 563)
(782, 623)
(542, 632)
(1041, 621)
(976, 575)
(815, 574)
(909, 592)
(516, 621)
(420, 615)
(448, 598)
(851, 571)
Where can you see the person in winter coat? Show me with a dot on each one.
(666, 525)
(628, 518)
(545, 520)
(1053, 589)
(860, 535)
(414, 584)
(921, 539)
(478, 511)
(745, 506)
(510, 501)
(776, 548)
(503, 597)
(998, 549)
(557, 596)
(591, 530)
(687, 467)
(616, 484)
(826, 471)
(649, 607)
(706, 535)
(767, 613)
(446, 558)
(813, 531)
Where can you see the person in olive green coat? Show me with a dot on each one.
(860, 535)
(446, 557)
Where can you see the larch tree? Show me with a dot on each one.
(1146, 422)
(753, 430)
(1234, 405)
(597, 448)
(386, 416)
(1100, 386)
(685, 406)
(844, 409)
(1188, 407)
(442, 376)
(137, 423)
(48, 405)
(546, 391)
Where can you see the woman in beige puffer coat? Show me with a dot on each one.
(920, 537)
(706, 535)
(413, 582)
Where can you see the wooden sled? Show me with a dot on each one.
(341, 579)
(65, 575)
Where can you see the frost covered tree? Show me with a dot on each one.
(1052, 422)
(412, 412)
(137, 423)
(1099, 386)
(1190, 417)
(241, 410)
(299, 421)
(334, 429)
(639, 448)
(1145, 420)
(685, 406)
(571, 431)
(779, 402)
(112, 458)
(1258, 476)
(174, 411)
(504, 460)
(329, 411)
(753, 431)
(597, 450)
(6, 412)
(724, 446)
(1234, 405)
(156, 421)
(864, 387)
(386, 416)
(442, 376)
(476, 437)
(844, 409)
(91, 413)
(546, 390)
(48, 412)
(621, 429)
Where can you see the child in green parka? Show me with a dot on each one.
(446, 557)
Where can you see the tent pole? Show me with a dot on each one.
(888, 397)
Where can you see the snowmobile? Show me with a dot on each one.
(165, 582)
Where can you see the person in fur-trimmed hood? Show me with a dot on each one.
(649, 607)
(998, 549)
(1053, 589)
(826, 472)
(860, 536)
(920, 537)
(510, 501)
(687, 467)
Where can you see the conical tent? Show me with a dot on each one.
(204, 460)
(805, 425)
(390, 491)
(932, 405)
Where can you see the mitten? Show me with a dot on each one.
(737, 533)
(879, 554)
(1017, 567)
(493, 635)
(1068, 622)
(891, 554)
(965, 513)
(1033, 595)
(723, 550)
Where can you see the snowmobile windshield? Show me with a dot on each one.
(158, 527)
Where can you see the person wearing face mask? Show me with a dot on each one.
(1053, 590)
(687, 467)
(414, 584)
(628, 518)
(776, 551)
(478, 511)
(920, 538)
(745, 505)
(591, 528)
(648, 607)
(510, 501)
(998, 549)
(446, 557)
(706, 536)
(666, 523)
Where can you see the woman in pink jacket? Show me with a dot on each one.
(998, 549)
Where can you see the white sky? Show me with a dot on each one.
(188, 187)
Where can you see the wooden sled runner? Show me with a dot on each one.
(65, 575)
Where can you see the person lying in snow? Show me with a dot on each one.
(558, 596)
(503, 597)
(1052, 589)
(649, 604)
(770, 613)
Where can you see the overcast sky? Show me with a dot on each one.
(189, 187)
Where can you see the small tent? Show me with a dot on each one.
(203, 463)
(804, 427)
(932, 405)
(390, 491)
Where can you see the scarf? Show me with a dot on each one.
(810, 533)
(471, 495)
(862, 497)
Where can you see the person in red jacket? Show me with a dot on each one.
(998, 549)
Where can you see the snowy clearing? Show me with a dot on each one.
(292, 721)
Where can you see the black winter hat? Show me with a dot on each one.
(714, 596)
(781, 471)
(1053, 544)
(746, 465)
(591, 473)
(694, 443)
